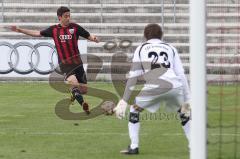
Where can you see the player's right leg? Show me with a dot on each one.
(133, 128)
(75, 77)
(77, 80)
(78, 90)
(142, 102)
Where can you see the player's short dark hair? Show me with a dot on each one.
(61, 10)
(153, 31)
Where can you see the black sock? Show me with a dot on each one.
(77, 95)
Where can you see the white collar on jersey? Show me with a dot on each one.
(154, 41)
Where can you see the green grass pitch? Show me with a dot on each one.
(30, 129)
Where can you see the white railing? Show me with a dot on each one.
(162, 15)
(174, 11)
(68, 2)
(101, 11)
(162, 10)
(2, 11)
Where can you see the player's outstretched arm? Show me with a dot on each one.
(93, 38)
(135, 72)
(121, 107)
(33, 33)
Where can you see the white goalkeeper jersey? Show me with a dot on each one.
(157, 54)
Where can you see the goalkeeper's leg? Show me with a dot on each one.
(177, 99)
(185, 116)
(133, 128)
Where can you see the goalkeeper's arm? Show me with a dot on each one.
(122, 104)
(134, 73)
(131, 82)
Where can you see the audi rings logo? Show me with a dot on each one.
(13, 58)
(65, 37)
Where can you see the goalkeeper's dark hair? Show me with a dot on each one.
(61, 10)
(153, 31)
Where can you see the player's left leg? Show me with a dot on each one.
(176, 98)
(184, 114)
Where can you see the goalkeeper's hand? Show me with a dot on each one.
(120, 109)
(186, 109)
(185, 113)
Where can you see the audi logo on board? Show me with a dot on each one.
(32, 64)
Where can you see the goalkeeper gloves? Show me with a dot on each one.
(185, 113)
(120, 109)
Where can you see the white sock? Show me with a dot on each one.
(187, 130)
(133, 130)
(134, 134)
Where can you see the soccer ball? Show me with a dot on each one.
(107, 107)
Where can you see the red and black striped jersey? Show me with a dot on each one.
(66, 41)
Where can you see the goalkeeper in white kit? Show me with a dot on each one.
(160, 66)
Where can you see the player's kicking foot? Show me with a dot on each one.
(72, 98)
(130, 151)
(86, 107)
(84, 104)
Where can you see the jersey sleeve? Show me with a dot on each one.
(47, 32)
(136, 68)
(82, 32)
(179, 71)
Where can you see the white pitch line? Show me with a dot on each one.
(14, 116)
(108, 133)
(66, 133)
(173, 134)
(215, 134)
(224, 134)
(14, 128)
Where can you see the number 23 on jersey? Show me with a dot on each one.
(155, 64)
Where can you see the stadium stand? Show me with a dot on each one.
(116, 20)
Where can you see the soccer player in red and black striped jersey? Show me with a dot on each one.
(65, 36)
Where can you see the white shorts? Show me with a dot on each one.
(173, 98)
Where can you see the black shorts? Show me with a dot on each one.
(76, 70)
